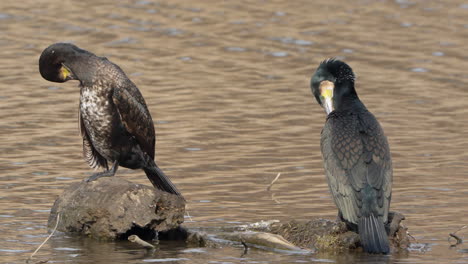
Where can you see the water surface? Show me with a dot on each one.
(227, 83)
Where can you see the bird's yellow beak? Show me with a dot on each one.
(65, 73)
(326, 95)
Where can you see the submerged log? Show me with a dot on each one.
(260, 240)
(314, 235)
(326, 235)
(113, 208)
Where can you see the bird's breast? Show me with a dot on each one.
(99, 117)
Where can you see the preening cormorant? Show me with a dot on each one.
(114, 120)
(356, 155)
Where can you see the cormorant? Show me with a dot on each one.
(114, 120)
(356, 155)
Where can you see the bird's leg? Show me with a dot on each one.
(339, 218)
(344, 225)
(107, 173)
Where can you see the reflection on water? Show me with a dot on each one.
(228, 84)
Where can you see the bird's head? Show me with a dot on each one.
(332, 82)
(58, 60)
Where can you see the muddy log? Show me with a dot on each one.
(113, 208)
(314, 235)
(326, 235)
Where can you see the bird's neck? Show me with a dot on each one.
(347, 100)
(83, 66)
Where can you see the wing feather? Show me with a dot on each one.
(356, 154)
(135, 116)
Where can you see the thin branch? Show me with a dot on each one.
(409, 234)
(463, 227)
(51, 234)
(273, 182)
(246, 248)
(139, 241)
(457, 238)
(274, 199)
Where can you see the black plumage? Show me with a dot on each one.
(115, 122)
(356, 155)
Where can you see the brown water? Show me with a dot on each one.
(227, 83)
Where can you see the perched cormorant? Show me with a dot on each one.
(356, 155)
(115, 122)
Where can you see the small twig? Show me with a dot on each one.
(461, 228)
(274, 199)
(51, 234)
(186, 211)
(409, 234)
(139, 241)
(273, 182)
(246, 248)
(457, 238)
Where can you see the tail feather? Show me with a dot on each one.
(373, 236)
(160, 180)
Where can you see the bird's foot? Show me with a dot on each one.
(107, 173)
(99, 175)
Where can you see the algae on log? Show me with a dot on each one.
(113, 208)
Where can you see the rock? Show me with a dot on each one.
(113, 208)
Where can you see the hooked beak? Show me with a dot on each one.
(326, 95)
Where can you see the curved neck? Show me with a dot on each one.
(346, 98)
(81, 67)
